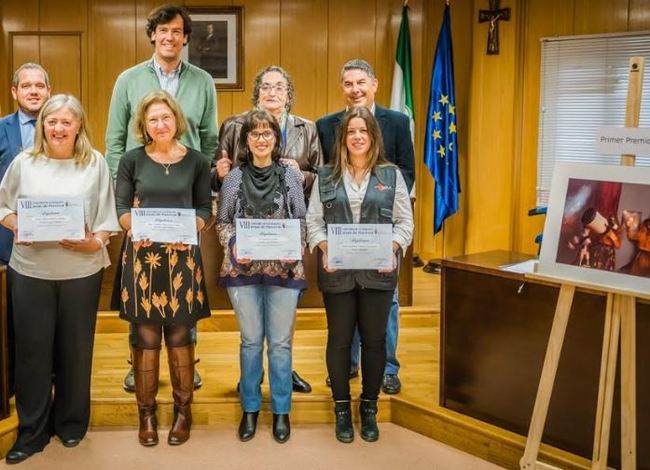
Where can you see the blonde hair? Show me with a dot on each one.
(83, 149)
(140, 121)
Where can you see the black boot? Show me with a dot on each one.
(368, 412)
(344, 429)
(247, 426)
(281, 427)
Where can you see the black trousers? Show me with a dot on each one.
(54, 330)
(368, 310)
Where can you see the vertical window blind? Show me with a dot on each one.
(583, 88)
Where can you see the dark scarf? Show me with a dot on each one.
(259, 189)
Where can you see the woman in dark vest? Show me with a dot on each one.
(361, 186)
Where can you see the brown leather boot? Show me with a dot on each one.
(146, 365)
(181, 372)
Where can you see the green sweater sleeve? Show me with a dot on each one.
(117, 126)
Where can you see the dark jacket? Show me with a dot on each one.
(377, 208)
(395, 131)
(302, 145)
(10, 146)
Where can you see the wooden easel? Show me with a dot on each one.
(620, 321)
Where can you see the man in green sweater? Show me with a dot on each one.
(169, 28)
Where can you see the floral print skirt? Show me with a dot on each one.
(162, 284)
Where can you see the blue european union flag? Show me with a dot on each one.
(440, 144)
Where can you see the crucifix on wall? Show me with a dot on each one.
(493, 16)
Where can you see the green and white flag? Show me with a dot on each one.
(401, 96)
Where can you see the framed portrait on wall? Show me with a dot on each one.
(597, 227)
(217, 44)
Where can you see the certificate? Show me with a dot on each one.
(164, 225)
(360, 246)
(50, 219)
(268, 239)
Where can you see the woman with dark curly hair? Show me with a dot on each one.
(264, 294)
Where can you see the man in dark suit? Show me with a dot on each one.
(30, 87)
(359, 86)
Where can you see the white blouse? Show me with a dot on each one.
(29, 176)
(402, 211)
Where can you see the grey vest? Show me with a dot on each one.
(376, 208)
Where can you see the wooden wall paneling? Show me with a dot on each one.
(63, 16)
(639, 15)
(600, 16)
(303, 53)
(261, 42)
(111, 32)
(543, 18)
(490, 157)
(351, 35)
(15, 16)
(143, 46)
(24, 48)
(61, 57)
(111, 40)
(388, 15)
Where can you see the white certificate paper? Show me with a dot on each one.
(164, 225)
(268, 239)
(360, 246)
(50, 219)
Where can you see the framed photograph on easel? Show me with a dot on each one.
(598, 226)
(217, 44)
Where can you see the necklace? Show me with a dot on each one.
(166, 167)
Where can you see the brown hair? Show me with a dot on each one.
(253, 119)
(163, 15)
(376, 152)
(140, 121)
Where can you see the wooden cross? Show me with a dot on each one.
(493, 16)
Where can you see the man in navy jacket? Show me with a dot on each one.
(30, 87)
(359, 85)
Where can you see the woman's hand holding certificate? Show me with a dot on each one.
(164, 225)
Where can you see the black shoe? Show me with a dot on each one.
(16, 456)
(354, 373)
(247, 426)
(344, 430)
(368, 412)
(299, 384)
(281, 428)
(261, 381)
(72, 442)
(391, 384)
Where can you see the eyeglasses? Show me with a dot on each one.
(278, 88)
(266, 135)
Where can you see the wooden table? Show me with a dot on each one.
(494, 333)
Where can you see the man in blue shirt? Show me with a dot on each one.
(30, 88)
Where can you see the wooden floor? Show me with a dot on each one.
(218, 350)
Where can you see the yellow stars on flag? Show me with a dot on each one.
(452, 128)
(444, 99)
(441, 151)
(436, 135)
(451, 146)
(436, 116)
(452, 109)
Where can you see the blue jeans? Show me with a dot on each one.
(265, 312)
(392, 332)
